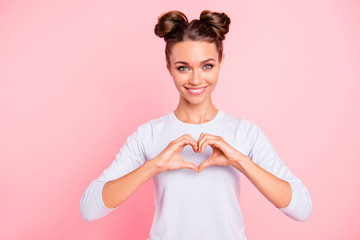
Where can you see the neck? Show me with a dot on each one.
(195, 113)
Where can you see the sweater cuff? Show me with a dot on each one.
(300, 204)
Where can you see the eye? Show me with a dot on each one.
(209, 66)
(181, 68)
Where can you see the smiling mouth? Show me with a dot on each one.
(196, 91)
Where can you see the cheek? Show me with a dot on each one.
(178, 83)
(212, 77)
(180, 78)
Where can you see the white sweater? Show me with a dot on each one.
(192, 205)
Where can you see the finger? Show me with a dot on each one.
(203, 142)
(200, 140)
(195, 148)
(184, 136)
(214, 142)
(202, 135)
(192, 142)
(191, 166)
(204, 164)
(186, 139)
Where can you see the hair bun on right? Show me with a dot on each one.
(219, 22)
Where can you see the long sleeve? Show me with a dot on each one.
(264, 155)
(130, 157)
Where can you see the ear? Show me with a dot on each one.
(168, 66)
(222, 60)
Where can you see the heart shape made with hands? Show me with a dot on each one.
(192, 156)
(219, 153)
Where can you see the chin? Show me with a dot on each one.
(194, 101)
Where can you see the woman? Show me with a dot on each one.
(196, 153)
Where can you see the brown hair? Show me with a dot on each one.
(174, 27)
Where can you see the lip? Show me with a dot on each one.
(196, 93)
(196, 88)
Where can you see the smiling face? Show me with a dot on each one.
(195, 65)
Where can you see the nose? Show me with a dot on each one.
(195, 78)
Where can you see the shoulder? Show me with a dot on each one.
(148, 127)
(241, 123)
(160, 120)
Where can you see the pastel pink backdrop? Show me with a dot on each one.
(77, 77)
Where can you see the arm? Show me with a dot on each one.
(273, 179)
(276, 190)
(130, 170)
(117, 191)
(126, 173)
(263, 168)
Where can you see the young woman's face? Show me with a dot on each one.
(195, 69)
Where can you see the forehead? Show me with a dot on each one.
(193, 51)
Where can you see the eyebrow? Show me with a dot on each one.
(201, 62)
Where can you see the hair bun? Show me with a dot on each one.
(169, 21)
(218, 21)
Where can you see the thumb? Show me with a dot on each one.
(206, 163)
(190, 165)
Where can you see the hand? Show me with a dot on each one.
(170, 158)
(223, 153)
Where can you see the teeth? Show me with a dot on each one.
(196, 91)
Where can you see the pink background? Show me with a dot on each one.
(77, 77)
